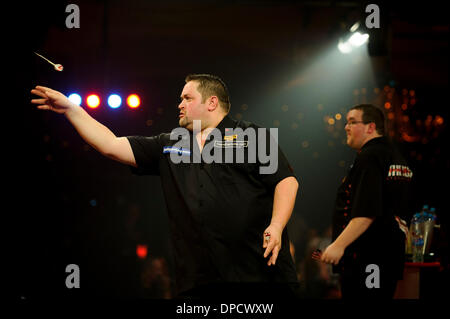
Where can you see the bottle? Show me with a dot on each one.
(428, 227)
(410, 234)
(417, 242)
(417, 249)
(433, 212)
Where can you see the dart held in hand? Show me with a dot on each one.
(317, 255)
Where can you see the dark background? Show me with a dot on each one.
(65, 203)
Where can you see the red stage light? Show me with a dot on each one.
(93, 101)
(141, 251)
(133, 101)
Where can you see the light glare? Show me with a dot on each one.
(133, 101)
(75, 98)
(344, 47)
(93, 101)
(114, 101)
(358, 39)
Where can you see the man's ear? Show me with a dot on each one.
(372, 128)
(213, 103)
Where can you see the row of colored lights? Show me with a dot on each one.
(114, 101)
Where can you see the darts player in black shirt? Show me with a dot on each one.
(367, 248)
(227, 220)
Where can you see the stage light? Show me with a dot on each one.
(114, 101)
(353, 40)
(354, 27)
(357, 39)
(344, 47)
(141, 251)
(93, 101)
(75, 98)
(133, 101)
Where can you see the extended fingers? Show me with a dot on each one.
(269, 248)
(45, 92)
(43, 88)
(39, 101)
(43, 102)
(266, 239)
(38, 92)
(274, 257)
(44, 107)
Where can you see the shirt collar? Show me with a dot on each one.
(374, 141)
(226, 123)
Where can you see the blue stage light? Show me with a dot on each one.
(114, 101)
(75, 98)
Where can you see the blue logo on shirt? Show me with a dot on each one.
(178, 150)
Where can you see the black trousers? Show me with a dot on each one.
(358, 283)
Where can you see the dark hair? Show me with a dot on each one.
(209, 85)
(371, 113)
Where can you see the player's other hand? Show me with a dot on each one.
(272, 242)
(51, 100)
(333, 254)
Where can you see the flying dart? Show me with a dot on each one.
(58, 67)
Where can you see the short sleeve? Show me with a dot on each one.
(277, 168)
(367, 188)
(147, 152)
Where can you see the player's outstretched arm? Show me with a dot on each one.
(93, 132)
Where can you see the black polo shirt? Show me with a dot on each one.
(377, 185)
(217, 211)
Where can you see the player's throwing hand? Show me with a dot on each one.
(51, 100)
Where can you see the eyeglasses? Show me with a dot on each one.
(354, 122)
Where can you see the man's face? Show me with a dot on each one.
(191, 106)
(356, 130)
